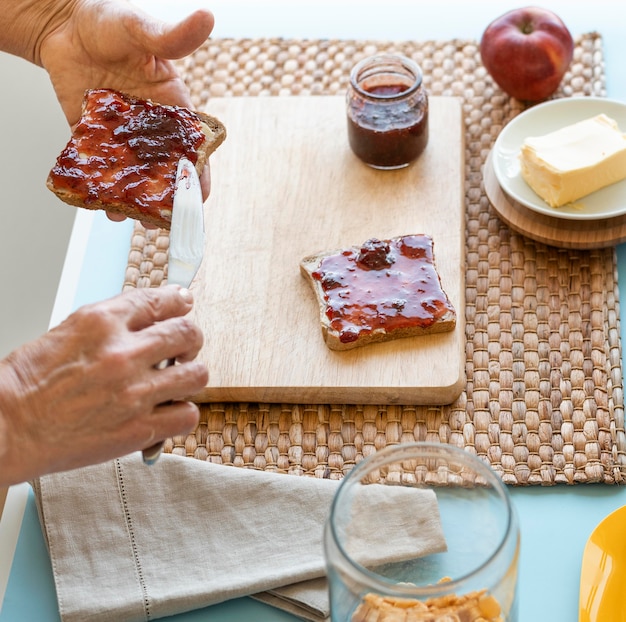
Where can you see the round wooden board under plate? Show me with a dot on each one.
(562, 232)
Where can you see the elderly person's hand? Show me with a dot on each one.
(85, 44)
(112, 44)
(89, 390)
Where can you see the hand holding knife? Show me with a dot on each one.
(186, 247)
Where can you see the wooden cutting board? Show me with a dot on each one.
(285, 185)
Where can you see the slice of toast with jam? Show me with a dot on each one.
(379, 291)
(124, 151)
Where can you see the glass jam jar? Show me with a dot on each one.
(387, 110)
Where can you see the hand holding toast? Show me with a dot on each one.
(87, 44)
(112, 44)
(115, 45)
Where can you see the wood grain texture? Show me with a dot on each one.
(286, 185)
(560, 232)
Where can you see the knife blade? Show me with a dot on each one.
(186, 248)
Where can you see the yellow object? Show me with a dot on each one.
(574, 161)
(603, 573)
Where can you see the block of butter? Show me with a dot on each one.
(574, 161)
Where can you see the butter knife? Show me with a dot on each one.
(186, 248)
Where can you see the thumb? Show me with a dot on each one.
(173, 41)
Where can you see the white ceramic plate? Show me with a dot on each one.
(541, 119)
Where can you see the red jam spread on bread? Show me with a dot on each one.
(126, 149)
(385, 285)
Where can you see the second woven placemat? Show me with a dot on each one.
(544, 398)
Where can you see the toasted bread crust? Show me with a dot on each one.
(332, 337)
(215, 134)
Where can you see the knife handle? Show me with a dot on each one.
(151, 454)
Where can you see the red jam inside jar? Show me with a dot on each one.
(387, 110)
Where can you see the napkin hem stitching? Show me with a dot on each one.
(133, 539)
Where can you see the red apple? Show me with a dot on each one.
(527, 51)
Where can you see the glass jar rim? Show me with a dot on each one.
(396, 453)
(406, 62)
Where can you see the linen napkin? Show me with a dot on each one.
(130, 542)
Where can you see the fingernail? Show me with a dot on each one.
(186, 295)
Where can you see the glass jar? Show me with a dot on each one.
(387, 110)
(422, 531)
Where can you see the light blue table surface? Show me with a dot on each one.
(555, 521)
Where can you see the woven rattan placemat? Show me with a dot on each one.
(544, 396)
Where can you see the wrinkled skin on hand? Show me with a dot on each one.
(112, 44)
(88, 390)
